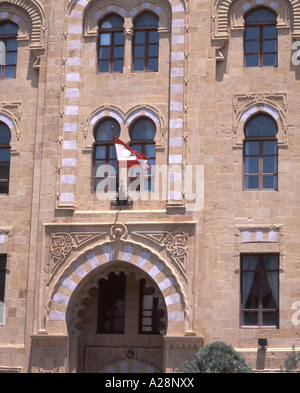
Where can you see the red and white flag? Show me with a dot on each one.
(132, 157)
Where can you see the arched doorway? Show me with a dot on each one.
(121, 323)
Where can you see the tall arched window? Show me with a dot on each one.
(146, 43)
(8, 49)
(5, 136)
(111, 44)
(142, 134)
(105, 156)
(260, 154)
(260, 41)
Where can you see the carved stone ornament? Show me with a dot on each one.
(176, 244)
(49, 360)
(62, 244)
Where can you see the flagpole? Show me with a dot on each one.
(120, 197)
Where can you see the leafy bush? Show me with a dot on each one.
(292, 362)
(217, 357)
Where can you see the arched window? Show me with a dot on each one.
(8, 49)
(142, 134)
(146, 43)
(260, 154)
(5, 136)
(111, 44)
(105, 156)
(260, 40)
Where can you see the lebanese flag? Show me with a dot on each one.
(132, 157)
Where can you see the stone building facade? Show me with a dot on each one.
(215, 254)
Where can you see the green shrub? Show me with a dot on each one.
(217, 357)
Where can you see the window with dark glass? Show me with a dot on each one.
(2, 285)
(150, 314)
(111, 312)
(8, 50)
(105, 168)
(111, 44)
(142, 135)
(260, 40)
(260, 290)
(260, 154)
(146, 43)
(5, 136)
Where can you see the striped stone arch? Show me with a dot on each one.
(83, 273)
(245, 107)
(288, 13)
(12, 123)
(29, 15)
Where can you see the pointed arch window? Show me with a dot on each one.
(261, 154)
(111, 44)
(260, 39)
(142, 134)
(8, 50)
(105, 167)
(5, 136)
(146, 43)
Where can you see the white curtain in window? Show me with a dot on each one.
(249, 263)
(271, 263)
(2, 53)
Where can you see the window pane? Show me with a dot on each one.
(252, 33)
(252, 148)
(260, 15)
(137, 148)
(112, 22)
(139, 37)
(269, 32)
(150, 150)
(104, 130)
(251, 165)
(139, 51)
(11, 58)
(5, 135)
(252, 60)
(100, 152)
(252, 47)
(139, 65)
(3, 187)
(118, 52)
(143, 129)
(4, 155)
(147, 20)
(270, 182)
(104, 66)
(153, 51)
(118, 66)
(270, 319)
(119, 38)
(12, 45)
(105, 39)
(153, 37)
(270, 147)
(261, 126)
(269, 164)
(270, 46)
(4, 171)
(250, 318)
(104, 53)
(8, 28)
(10, 72)
(270, 60)
(153, 64)
(251, 182)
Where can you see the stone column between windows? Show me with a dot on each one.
(128, 40)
